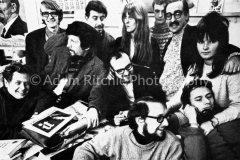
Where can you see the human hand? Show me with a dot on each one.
(232, 65)
(92, 117)
(207, 127)
(191, 114)
(120, 117)
(74, 128)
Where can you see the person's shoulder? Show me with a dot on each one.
(170, 137)
(109, 36)
(36, 32)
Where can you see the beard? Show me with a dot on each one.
(154, 136)
(204, 116)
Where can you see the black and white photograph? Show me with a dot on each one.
(121, 79)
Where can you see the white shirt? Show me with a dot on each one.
(8, 25)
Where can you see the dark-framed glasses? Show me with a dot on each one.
(53, 14)
(160, 118)
(177, 14)
(127, 68)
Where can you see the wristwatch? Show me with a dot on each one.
(215, 122)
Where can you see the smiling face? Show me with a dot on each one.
(202, 98)
(176, 25)
(130, 23)
(159, 13)
(52, 20)
(96, 20)
(151, 127)
(207, 49)
(19, 86)
(74, 46)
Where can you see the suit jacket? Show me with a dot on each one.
(35, 54)
(19, 27)
(189, 48)
(110, 97)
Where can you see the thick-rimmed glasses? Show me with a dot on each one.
(127, 68)
(177, 14)
(53, 14)
(160, 118)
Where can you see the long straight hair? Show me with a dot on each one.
(213, 27)
(142, 45)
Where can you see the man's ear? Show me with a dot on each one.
(140, 121)
(14, 7)
(86, 17)
(5, 82)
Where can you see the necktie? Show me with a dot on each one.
(3, 32)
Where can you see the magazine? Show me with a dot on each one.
(49, 122)
(9, 147)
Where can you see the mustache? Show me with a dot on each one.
(174, 23)
(99, 27)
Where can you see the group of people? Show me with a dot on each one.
(155, 83)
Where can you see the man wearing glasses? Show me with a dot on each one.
(181, 49)
(115, 96)
(52, 15)
(144, 138)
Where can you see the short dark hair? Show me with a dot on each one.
(188, 88)
(50, 4)
(17, 4)
(141, 109)
(97, 6)
(87, 34)
(15, 67)
(185, 6)
(159, 2)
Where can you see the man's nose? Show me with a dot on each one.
(165, 122)
(206, 101)
(22, 86)
(99, 22)
(173, 18)
(68, 45)
(160, 14)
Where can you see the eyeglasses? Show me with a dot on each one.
(53, 14)
(127, 68)
(177, 14)
(160, 118)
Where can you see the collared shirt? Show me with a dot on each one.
(8, 25)
(172, 76)
(50, 34)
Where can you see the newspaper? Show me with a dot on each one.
(49, 122)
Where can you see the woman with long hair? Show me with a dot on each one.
(212, 42)
(136, 40)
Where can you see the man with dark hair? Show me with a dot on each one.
(160, 30)
(52, 15)
(115, 96)
(144, 138)
(17, 100)
(95, 14)
(223, 141)
(77, 70)
(181, 50)
(13, 24)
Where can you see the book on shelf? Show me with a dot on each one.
(9, 148)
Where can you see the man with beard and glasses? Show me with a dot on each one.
(95, 14)
(144, 138)
(73, 71)
(181, 50)
(52, 15)
(13, 24)
(200, 108)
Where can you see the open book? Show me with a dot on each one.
(9, 147)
